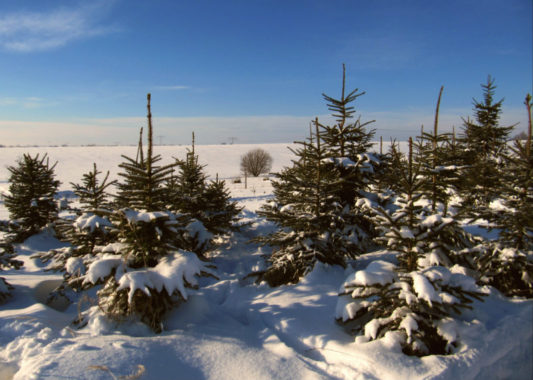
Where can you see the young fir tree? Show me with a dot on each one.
(417, 298)
(436, 155)
(220, 212)
(85, 231)
(207, 202)
(31, 200)
(347, 150)
(310, 218)
(508, 263)
(484, 142)
(147, 279)
(347, 144)
(92, 226)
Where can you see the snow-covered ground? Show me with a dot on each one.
(232, 328)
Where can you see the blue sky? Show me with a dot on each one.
(77, 72)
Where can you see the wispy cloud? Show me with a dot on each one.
(38, 31)
(26, 102)
(172, 88)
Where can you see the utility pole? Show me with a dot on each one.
(160, 139)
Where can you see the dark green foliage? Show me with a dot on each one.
(436, 153)
(484, 142)
(143, 188)
(210, 203)
(508, 264)
(317, 204)
(395, 304)
(149, 309)
(92, 227)
(31, 200)
(347, 144)
(509, 270)
(148, 236)
(220, 212)
(7, 260)
(188, 192)
(417, 296)
(516, 219)
(310, 217)
(93, 193)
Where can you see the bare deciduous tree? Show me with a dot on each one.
(256, 162)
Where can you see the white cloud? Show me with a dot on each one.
(38, 31)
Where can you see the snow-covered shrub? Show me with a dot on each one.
(509, 270)
(383, 299)
(145, 293)
(7, 260)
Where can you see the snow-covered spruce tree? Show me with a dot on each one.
(150, 272)
(347, 146)
(31, 200)
(220, 212)
(206, 201)
(412, 302)
(310, 218)
(484, 142)
(7, 260)
(436, 154)
(508, 263)
(85, 231)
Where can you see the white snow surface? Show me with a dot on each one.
(230, 327)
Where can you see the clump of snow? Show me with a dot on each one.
(134, 216)
(102, 267)
(91, 222)
(75, 266)
(172, 273)
(424, 289)
(377, 272)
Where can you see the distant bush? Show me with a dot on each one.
(256, 162)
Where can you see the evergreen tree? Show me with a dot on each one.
(85, 231)
(435, 152)
(189, 194)
(516, 221)
(419, 295)
(209, 203)
(484, 142)
(148, 234)
(93, 225)
(31, 200)
(508, 263)
(310, 218)
(144, 226)
(220, 212)
(347, 144)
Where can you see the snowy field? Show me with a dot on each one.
(232, 328)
